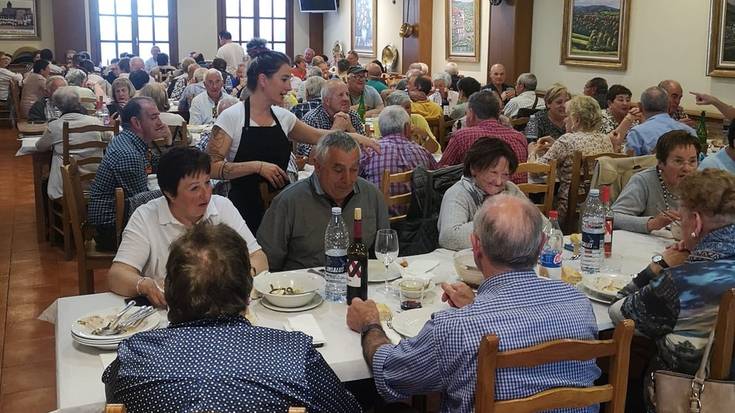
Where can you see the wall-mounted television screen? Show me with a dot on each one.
(318, 6)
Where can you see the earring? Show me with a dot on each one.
(694, 235)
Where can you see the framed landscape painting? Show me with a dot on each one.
(722, 39)
(19, 20)
(595, 33)
(364, 27)
(462, 30)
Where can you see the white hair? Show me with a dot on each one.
(214, 72)
(393, 119)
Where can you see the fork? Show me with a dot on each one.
(131, 322)
(114, 322)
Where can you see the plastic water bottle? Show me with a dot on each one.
(593, 233)
(103, 115)
(532, 129)
(336, 241)
(550, 260)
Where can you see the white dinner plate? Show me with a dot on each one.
(409, 323)
(314, 303)
(101, 346)
(377, 273)
(604, 286)
(83, 326)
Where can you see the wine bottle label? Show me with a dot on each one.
(608, 230)
(354, 273)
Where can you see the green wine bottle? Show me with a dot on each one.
(702, 133)
(361, 108)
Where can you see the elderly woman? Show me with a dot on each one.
(77, 79)
(674, 300)
(420, 130)
(34, 86)
(442, 96)
(177, 85)
(619, 115)
(582, 125)
(139, 268)
(488, 166)
(211, 358)
(66, 100)
(195, 87)
(241, 81)
(648, 201)
(299, 67)
(550, 121)
(122, 91)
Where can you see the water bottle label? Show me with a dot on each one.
(592, 241)
(551, 259)
(354, 273)
(335, 265)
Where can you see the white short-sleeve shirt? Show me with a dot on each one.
(152, 228)
(232, 120)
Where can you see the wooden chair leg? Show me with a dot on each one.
(86, 280)
(66, 226)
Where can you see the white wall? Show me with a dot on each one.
(197, 24)
(438, 59)
(667, 39)
(337, 26)
(46, 40)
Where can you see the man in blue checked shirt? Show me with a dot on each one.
(511, 302)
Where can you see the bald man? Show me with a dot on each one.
(675, 92)
(506, 241)
(203, 106)
(497, 83)
(375, 77)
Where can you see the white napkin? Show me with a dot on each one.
(394, 337)
(306, 323)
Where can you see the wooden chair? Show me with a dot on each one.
(582, 168)
(267, 194)
(547, 189)
(179, 135)
(435, 126)
(88, 258)
(403, 199)
(15, 114)
(87, 102)
(445, 129)
(722, 349)
(58, 218)
(617, 349)
(115, 408)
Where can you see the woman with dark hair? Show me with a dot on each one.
(596, 88)
(250, 140)
(34, 86)
(488, 166)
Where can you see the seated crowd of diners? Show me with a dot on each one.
(196, 252)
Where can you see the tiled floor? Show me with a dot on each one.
(32, 276)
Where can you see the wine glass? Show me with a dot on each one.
(386, 250)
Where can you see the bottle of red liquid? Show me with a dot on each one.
(609, 219)
(357, 261)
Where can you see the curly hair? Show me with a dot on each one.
(711, 192)
(586, 112)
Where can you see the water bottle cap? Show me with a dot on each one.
(336, 211)
(553, 215)
(595, 192)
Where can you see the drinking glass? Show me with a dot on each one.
(386, 250)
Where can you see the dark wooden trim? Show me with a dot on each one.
(173, 32)
(289, 27)
(510, 38)
(94, 31)
(221, 23)
(220, 19)
(417, 48)
(316, 32)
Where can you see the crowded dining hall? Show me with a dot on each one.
(367, 206)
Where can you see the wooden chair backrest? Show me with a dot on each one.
(75, 203)
(267, 194)
(14, 98)
(547, 189)
(179, 135)
(722, 349)
(617, 349)
(66, 131)
(399, 199)
(579, 187)
(435, 126)
(445, 129)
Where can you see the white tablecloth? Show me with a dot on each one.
(79, 367)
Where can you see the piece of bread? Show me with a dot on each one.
(570, 276)
(384, 311)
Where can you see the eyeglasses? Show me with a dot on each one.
(679, 163)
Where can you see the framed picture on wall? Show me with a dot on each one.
(722, 39)
(595, 33)
(364, 27)
(19, 20)
(462, 30)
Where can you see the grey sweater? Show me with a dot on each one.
(459, 205)
(640, 200)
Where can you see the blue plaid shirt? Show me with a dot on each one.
(320, 119)
(522, 310)
(303, 108)
(123, 166)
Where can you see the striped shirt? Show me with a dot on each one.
(522, 310)
(461, 141)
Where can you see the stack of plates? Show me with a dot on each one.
(81, 329)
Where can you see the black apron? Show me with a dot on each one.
(267, 144)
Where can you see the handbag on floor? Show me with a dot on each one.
(682, 393)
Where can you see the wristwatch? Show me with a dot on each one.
(659, 259)
(366, 329)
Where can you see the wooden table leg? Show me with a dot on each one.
(40, 160)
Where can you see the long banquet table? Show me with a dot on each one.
(79, 368)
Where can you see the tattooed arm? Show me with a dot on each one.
(219, 146)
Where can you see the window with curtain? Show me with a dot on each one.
(269, 19)
(132, 26)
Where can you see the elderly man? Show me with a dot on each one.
(506, 242)
(419, 89)
(420, 130)
(44, 108)
(292, 231)
(139, 267)
(654, 104)
(6, 76)
(193, 89)
(353, 58)
(230, 51)
(309, 55)
(359, 90)
(312, 87)
(136, 63)
(375, 77)
(222, 362)
(397, 152)
(153, 60)
(497, 83)
(333, 113)
(453, 70)
(126, 164)
(204, 105)
(483, 110)
(525, 96)
(675, 92)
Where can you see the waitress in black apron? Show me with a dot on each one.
(263, 145)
